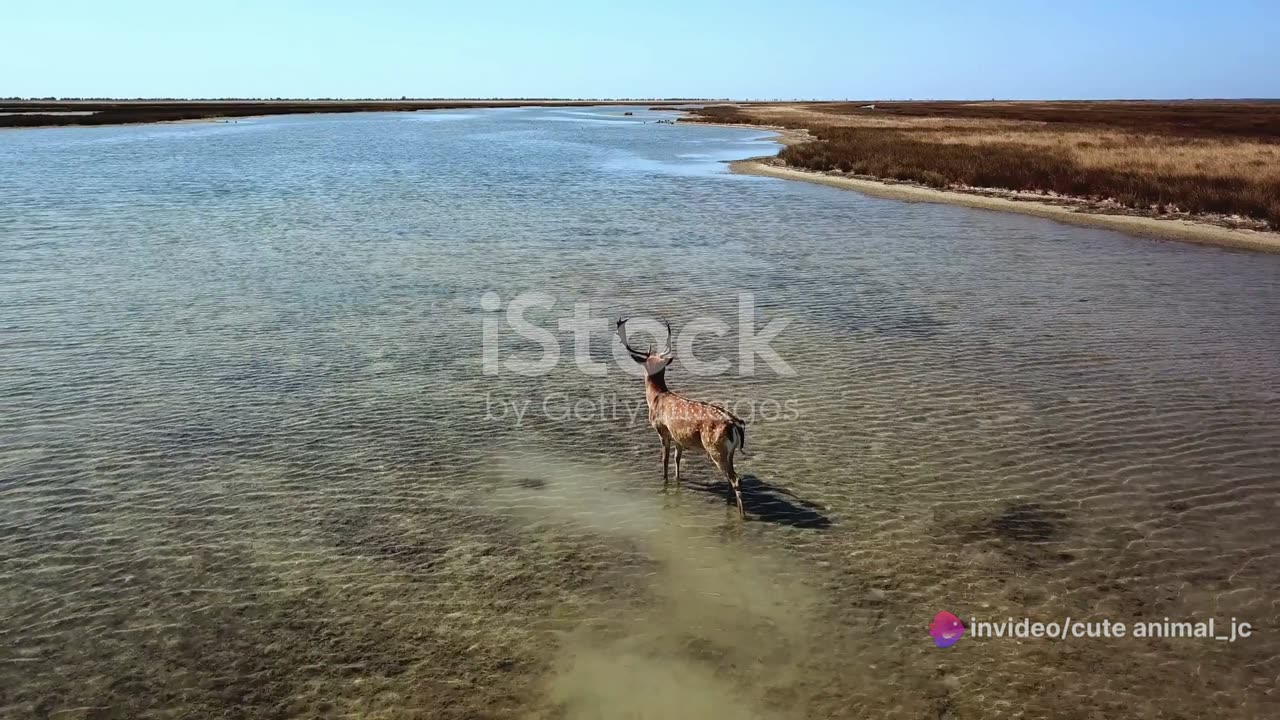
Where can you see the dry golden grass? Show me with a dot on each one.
(1256, 160)
(1221, 158)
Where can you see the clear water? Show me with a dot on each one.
(250, 465)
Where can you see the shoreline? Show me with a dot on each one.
(1167, 229)
(786, 136)
(1183, 171)
(1180, 230)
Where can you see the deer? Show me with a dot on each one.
(683, 423)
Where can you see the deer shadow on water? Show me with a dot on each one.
(766, 502)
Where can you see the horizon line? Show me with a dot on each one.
(633, 99)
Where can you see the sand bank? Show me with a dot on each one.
(1161, 228)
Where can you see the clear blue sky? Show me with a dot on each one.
(640, 48)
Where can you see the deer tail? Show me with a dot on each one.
(738, 434)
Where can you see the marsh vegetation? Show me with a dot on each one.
(1159, 157)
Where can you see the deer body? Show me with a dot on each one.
(686, 424)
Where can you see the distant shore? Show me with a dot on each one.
(63, 113)
(1203, 172)
(1164, 229)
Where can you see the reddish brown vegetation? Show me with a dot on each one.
(1195, 157)
(1192, 117)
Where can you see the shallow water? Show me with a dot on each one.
(251, 464)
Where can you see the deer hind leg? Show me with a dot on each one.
(723, 458)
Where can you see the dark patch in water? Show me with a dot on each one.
(1027, 532)
(375, 537)
(1028, 522)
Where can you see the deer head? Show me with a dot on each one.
(653, 362)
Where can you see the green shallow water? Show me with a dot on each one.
(251, 464)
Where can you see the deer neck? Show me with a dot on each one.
(655, 385)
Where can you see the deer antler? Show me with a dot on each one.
(637, 355)
(641, 356)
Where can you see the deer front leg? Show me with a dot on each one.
(679, 454)
(666, 459)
